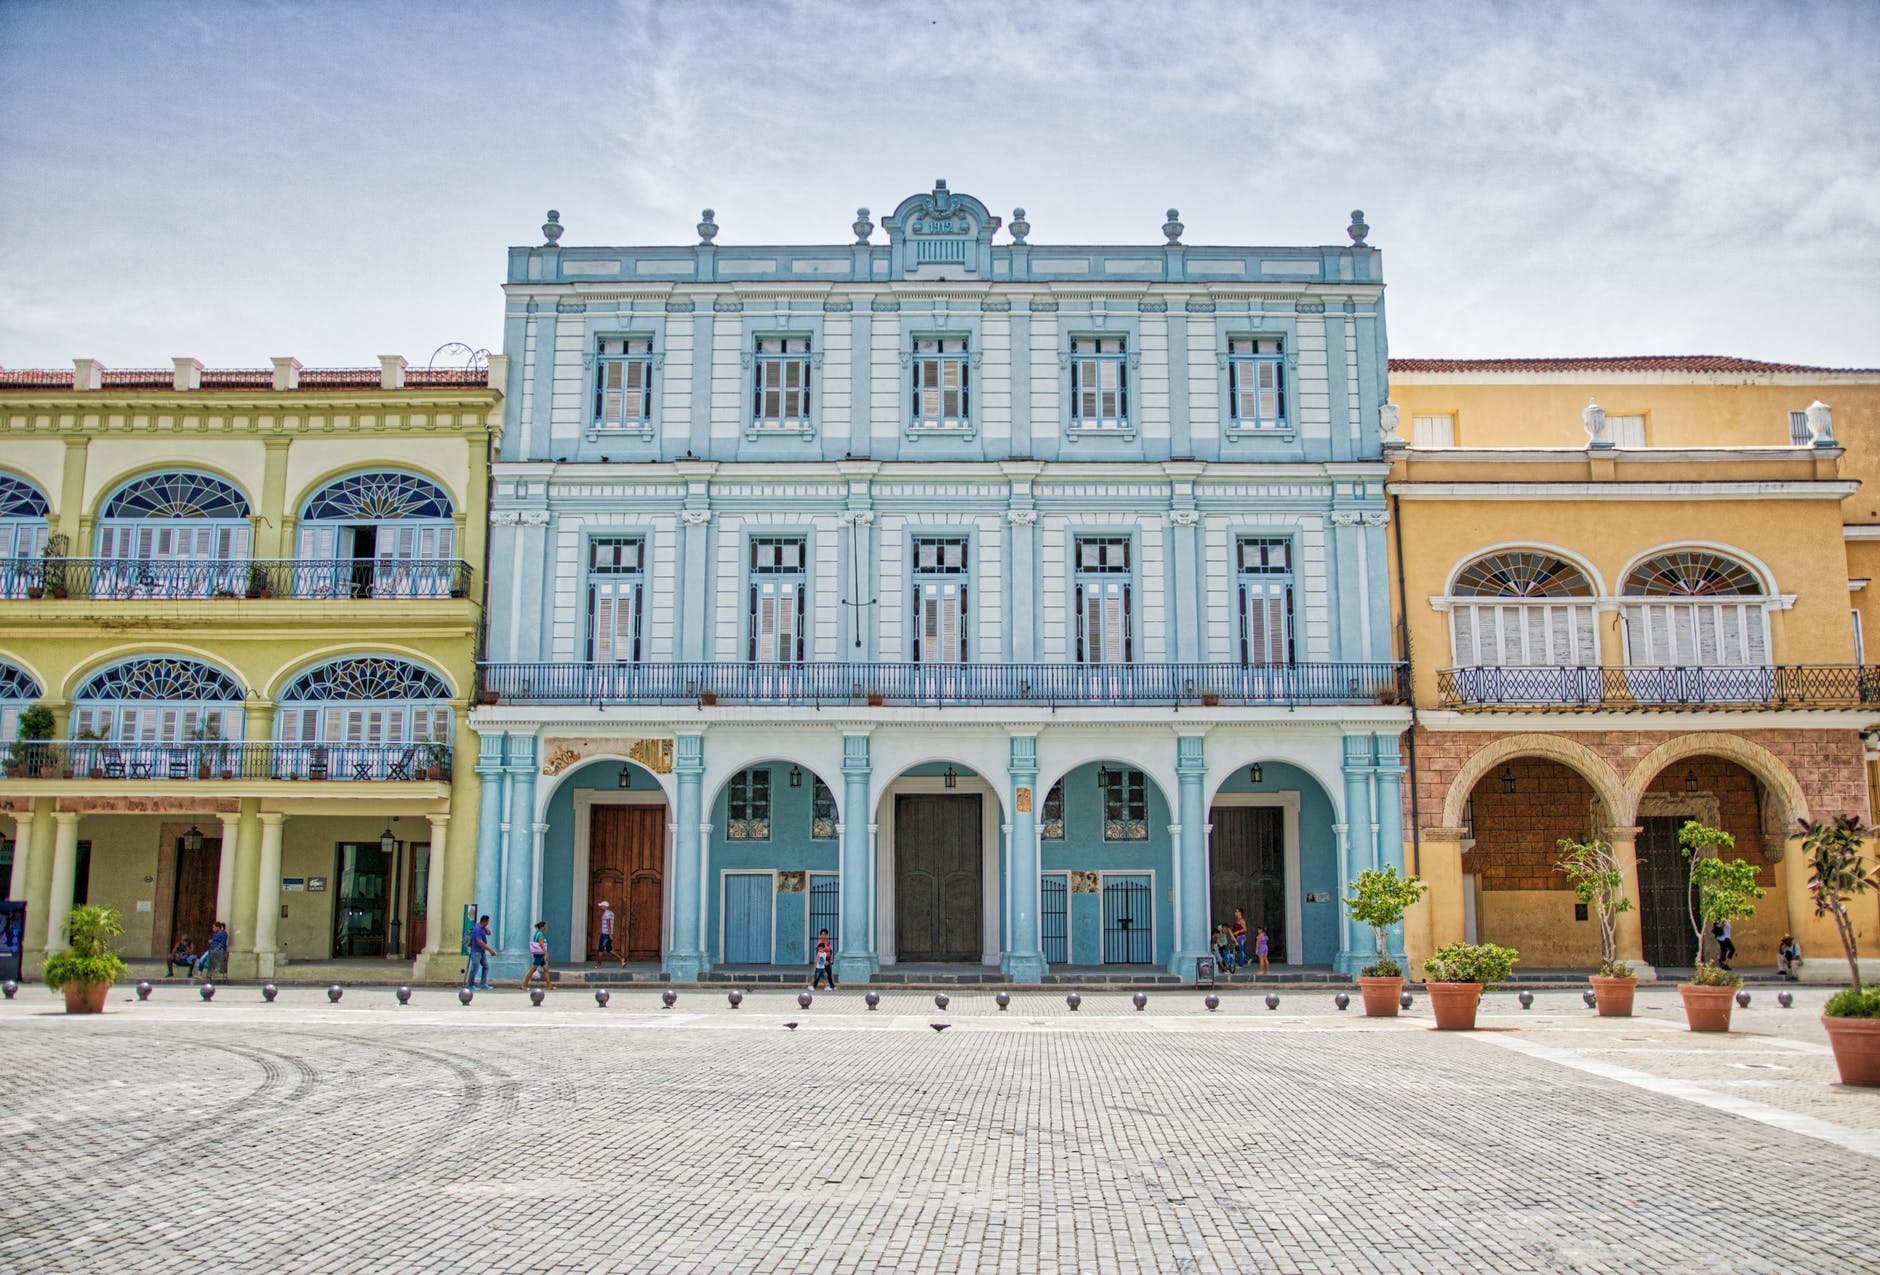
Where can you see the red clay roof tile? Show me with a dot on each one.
(1621, 363)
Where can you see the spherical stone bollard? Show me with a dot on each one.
(803, 1000)
(1073, 1000)
(734, 997)
(9, 987)
(1342, 1001)
(208, 991)
(1003, 999)
(465, 996)
(1591, 999)
(1140, 1000)
(269, 992)
(537, 995)
(143, 991)
(602, 996)
(668, 998)
(871, 999)
(1785, 999)
(1212, 1001)
(941, 1000)
(1272, 1000)
(333, 994)
(1742, 1000)
(1404, 1001)
(404, 995)
(1526, 998)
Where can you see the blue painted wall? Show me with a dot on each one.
(789, 849)
(1084, 850)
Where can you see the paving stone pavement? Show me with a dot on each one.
(364, 1137)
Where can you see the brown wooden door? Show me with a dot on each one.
(194, 910)
(937, 878)
(417, 898)
(1249, 873)
(1664, 887)
(627, 867)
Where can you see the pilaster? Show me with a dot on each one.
(1190, 841)
(685, 959)
(856, 957)
(1024, 954)
(268, 895)
(1387, 822)
(491, 827)
(1360, 852)
(64, 875)
(512, 935)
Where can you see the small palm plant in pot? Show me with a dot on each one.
(1721, 892)
(85, 970)
(1838, 872)
(1379, 900)
(1456, 976)
(1598, 882)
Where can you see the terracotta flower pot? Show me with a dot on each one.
(1856, 1045)
(1380, 996)
(1614, 996)
(1454, 1005)
(1707, 1009)
(86, 998)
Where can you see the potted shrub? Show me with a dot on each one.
(258, 584)
(1455, 976)
(212, 751)
(1594, 876)
(53, 556)
(435, 757)
(95, 766)
(1720, 892)
(1838, 872)
(1379, 900)
(31, 747)
(86, 969)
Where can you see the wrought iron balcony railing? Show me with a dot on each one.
(1660, 689)
(225, 759)
(129, 578)
(943, 685)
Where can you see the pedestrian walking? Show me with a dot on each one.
(1240, 936)
(606, 948)
(1726, 950)
(479, 957)
(825, 961)
(538, 957)
(1261, 946)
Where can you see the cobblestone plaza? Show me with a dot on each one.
(306, 1136)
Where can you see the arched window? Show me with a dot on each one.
(18, 689)
(1690, 608)
(1523, 608)
(367, 701)
(173, 535)
(23, 525)
(159, 700)
(378, 534)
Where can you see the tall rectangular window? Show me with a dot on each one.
(780, 383)
(1125, 805)
(941, 387)
(1099, 383)
(1051, 819)
(779, 580)
(614, 590)
(822, 813)
(1799, 433)
(1104, 579)
(623, 385)
(940, 589)
(747, 806)
(1265, 580)
(1256, 373)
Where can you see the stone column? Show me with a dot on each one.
(494, 776)
(434, 889)
(1024, 956)
(1356, 948)
(1444, 910)
(64, 876)
(1628, 932)
(1191, 856)
(1389, 824)
(268, 895)
(244, 887)
(685, 960)
(225, 871)
(855, 955)
(23, 822)
(512, 937)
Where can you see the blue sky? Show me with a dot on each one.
(336, 180)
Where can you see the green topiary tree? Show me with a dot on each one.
(1596, 880)
(1837, 872)
(1379, 900)
(1720, 891)
(90, 958)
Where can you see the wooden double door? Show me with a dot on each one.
(627, 868)
(938, 878)
(1249, 873)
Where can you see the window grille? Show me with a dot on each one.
(822, 813)
(1125, 805)
(747, 806)
(1051, 820)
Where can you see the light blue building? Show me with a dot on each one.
(982, 602)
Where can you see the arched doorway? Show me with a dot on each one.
(772, 878)
(1513, 894)
(940, 894)
(1273, 855)
(608, 841)
(1106, 868)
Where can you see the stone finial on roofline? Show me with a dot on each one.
(1593, 416)
(87, 374)
(707, 228)
(862, 226)
(551, 229)
(1357, 229)
(286, 372)
(188, 374)
(1821, 424)
(1019, 227)
(1173, 227)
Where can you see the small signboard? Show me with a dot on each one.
(316, 885)
(293, 884)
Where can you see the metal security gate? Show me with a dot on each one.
(748, 912)
(825, 902)
(1128, 920)
(1053, 923)
(1664, 886)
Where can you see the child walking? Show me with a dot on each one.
(538, 957)
(1261, 943)
(825, 961)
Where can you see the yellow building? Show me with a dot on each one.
(250, 601)
(1632, 592)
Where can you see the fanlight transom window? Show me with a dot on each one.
(162, 678)
(367, 677)
(1522, 575)
(17, 683)
(1692, 573)
(365, 700)
(161, 700)
(177, 495)
(380, 497)
(20, 499)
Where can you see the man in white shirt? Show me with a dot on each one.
(606, 948)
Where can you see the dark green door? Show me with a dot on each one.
(1249, 852)
(937, 878)
(1664, 887)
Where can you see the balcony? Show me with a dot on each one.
(226, 759)
(133, 578)
(944, 685)
(1648, 689)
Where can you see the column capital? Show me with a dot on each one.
(522, 753)
(688, 756)
(1191, 762)
(271, 818)
(855, 754)
(1445, 834)
(229, 818)
(436, 821)
(64, 817)
(1623, 832)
